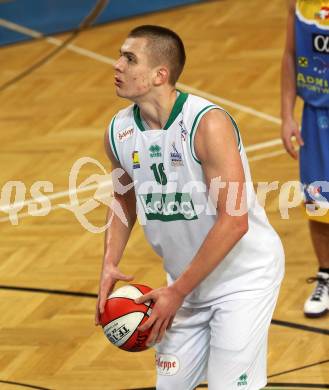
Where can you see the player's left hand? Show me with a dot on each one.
(167, 302)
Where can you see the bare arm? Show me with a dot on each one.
(216, 147)
(117, 233)
(290, 127)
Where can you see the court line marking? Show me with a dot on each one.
(295, 325)
(267, 155)
(80, 294)
(21, 384)
(111, 61)
(299, 368)
(55, 195)
(51, 208)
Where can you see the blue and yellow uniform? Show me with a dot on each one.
(312, 77)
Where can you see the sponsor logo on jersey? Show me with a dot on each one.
(323, 122)
(322, 14)
(155, 151)
(166, 364)
(315, 84)
(313, 191)
(320, 66)
(303, 62)
(243, 380)
(175, 206)
(175, 156)
(320, 43)
(183, 130)
(136, 163)
(313, 12)
(123, 135)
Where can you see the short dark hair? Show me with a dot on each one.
(167, 47)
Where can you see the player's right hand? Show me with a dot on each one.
(289, 131)
(110, 275)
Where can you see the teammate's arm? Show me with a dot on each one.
(216, 147)
(116, 235)
(289, 128)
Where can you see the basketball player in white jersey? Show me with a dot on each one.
(185, 171)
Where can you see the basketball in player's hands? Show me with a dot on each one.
(122, 317)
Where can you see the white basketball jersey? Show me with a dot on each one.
(174, 208)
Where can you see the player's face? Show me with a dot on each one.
(133, 72)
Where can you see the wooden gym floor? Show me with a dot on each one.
(56, 115)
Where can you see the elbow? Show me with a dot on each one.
(241, 226)
(245, 227)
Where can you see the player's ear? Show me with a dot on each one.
(161, 75)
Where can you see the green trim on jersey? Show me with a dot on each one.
(112, 142)
(196, 123)
(177, 108)
(236, 130)
(137, 118)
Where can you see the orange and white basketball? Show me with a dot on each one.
(122, 317)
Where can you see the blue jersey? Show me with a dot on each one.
(312, 51)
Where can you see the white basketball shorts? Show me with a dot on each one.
(225, 344)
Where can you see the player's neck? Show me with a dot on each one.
(155, 110)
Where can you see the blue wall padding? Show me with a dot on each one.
(9, 36)
(54, 16)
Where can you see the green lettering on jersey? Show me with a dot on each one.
(159, 173)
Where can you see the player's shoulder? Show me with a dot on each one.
(214, 117)
(120, 129)
(196, 107)
(196, 103)
(122, 118)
